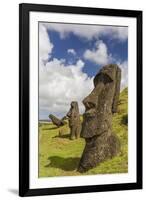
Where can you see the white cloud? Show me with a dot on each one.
(120, 33)
(99, 54)
(72, 51)
(45, 45)
(124, 68)
(89, 31)
(60, 84)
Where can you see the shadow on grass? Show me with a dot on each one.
(52, 128)
(66, 164)
(124, 120)
(62, 136)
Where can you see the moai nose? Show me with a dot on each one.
(90, 101)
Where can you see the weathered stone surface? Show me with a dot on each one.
(101, 103)
(56, 121)
(74, 120)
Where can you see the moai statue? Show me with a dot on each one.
(56, 121)
(101, 103)
(74, 120)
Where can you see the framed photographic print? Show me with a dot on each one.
(80, 100)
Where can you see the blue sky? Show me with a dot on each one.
(69, 58)
(119, 50)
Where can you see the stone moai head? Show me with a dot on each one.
(74, 111)
(74, 120)
(100, 104)
(75, 107)
(56, 121)
(102, 101)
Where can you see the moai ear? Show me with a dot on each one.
(117, 90)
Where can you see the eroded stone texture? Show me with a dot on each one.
(56, 121)
(101, 103)
(74, 120)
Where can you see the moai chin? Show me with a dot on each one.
(74, 120)
(100, 104)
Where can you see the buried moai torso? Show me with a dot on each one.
(101, 103)
(74, 120)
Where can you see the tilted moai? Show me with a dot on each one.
(56, 121)
(74, 120)
(101, 103)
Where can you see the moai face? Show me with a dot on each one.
(98, 104)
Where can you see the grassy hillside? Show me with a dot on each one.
(59, 156)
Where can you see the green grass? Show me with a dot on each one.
(59, 156)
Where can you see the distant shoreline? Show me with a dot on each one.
(44, 121)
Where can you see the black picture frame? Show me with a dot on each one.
(24, 9)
